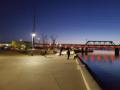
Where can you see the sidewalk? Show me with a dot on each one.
(65, 74)
(40, 73)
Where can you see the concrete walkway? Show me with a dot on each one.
(39, 73)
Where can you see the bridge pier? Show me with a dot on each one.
(116, 51)
(82, 51)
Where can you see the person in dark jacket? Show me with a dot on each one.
(68, 53)
(61, 49)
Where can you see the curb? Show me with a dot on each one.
(89, 81)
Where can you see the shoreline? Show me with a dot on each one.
(88, 76)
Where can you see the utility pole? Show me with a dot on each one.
(34, 28)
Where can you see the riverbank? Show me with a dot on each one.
(89, 81)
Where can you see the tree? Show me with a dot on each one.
(53, 39)
(44, 40)
(21, 44)
(16, 44)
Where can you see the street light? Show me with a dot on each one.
(33, 36)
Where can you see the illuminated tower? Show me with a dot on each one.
(34, 29)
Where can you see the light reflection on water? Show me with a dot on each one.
(106, 69)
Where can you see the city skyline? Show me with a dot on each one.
(73, 21)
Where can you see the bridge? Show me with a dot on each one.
(100, 43)
(93, 44)
(96, 45)
(89, 44)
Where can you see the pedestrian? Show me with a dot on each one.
(68, 53)
(61, 49)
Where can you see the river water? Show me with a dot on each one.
(106, 69)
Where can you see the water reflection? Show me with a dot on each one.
(106, 69)
(100, 58)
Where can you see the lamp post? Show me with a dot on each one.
(33, 37)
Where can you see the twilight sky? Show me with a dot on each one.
(73, 21)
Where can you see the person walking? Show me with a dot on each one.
(68, 53)
(61, 49)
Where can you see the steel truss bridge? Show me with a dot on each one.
(85, 47)
(96, 45)
(93, 44)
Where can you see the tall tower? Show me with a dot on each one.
(34, 20)
(34, 28)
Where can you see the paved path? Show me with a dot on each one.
(39, 73)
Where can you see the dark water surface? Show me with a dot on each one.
(106, 69)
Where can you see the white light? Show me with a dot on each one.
(60, 45)
(7, 45)
(21, 40)
(33, 34)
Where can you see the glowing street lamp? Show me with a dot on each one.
(33, 36)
